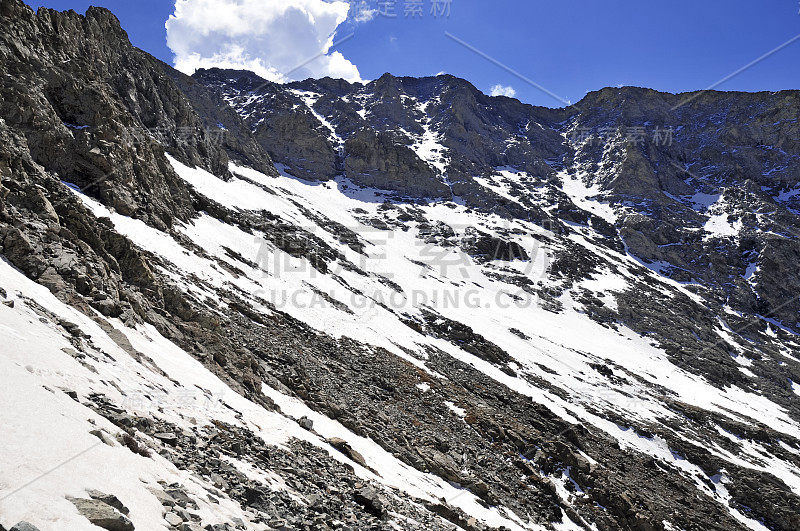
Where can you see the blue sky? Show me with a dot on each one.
(567, 47)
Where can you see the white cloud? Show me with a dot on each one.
(500, 90)
(276, 39)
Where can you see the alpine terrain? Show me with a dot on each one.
(234, 304)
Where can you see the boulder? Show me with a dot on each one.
(102, 515)
(344, 447)
(173, 519)
(22, 526)
(167, 438)
(369, 498)
(306, 423)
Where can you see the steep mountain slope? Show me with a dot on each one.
(436, 310)
(614, 167)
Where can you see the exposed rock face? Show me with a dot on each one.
(81, 70)
(375, 160)
(94, 109)
(223, 125)
(700, 187)
(385, 134)
(670, 161)
(655, 161)
(310, 154)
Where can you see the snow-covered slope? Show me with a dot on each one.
(599, 375)
(53, 443)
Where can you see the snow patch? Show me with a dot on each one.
(585, 196)
(455, 409)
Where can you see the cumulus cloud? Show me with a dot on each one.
(280, 40)
(500, 90)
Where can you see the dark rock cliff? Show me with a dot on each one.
(100, 113)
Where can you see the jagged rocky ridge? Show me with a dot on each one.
(525, 441)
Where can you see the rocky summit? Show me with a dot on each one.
(402, 304)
